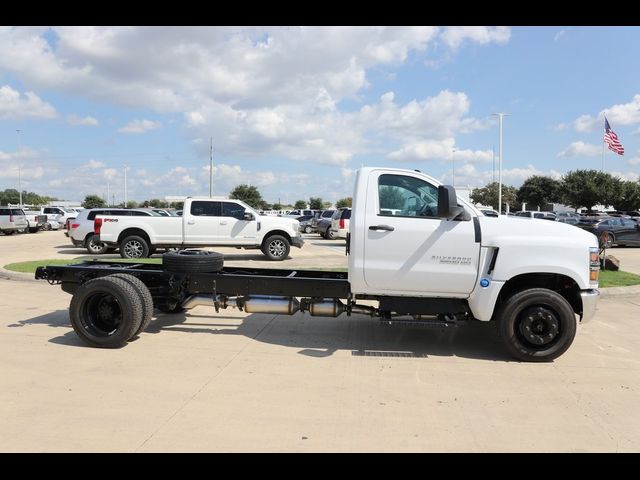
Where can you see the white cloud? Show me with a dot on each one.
(619, 114)
(560, 127)
(577, 149)
(455, 36)
(76, 121)
(94, 164)
(139, 126)
(24, 153)
(13, 105)
(630, 176)
(559, 35)
(634, 161)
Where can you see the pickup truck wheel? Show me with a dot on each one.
(9, 232)
(188, 261)
(33, 229)
(134, 247)
(106, 312)
(47, 227)
(95, 248)
(536, 325)
(146, 299)
(276, 247)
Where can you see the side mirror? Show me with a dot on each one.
(448, 203)
(248, 216)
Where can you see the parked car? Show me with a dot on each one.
(489, 212)
(305, 223)
(324, 229)
(340, 222)
(81, 228)
(52, 225)
(533, 214)
(12, 220)
(614, 231)
(35, 220)
(568, 217)
(299, 213)
(320, 215)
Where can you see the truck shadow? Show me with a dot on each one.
(316, 336)
(362, 336)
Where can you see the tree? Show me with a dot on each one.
(249, 194)
(10, 195)
(132, 204)
(315, 203)
(277, 206)
(538, 191)
(586, 188)
(628, 197)
(344, 202)
(300, 204)
(156, 203)
(326, 205)
(489, 196)
(93, 201)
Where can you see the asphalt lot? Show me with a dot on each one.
(255, 382)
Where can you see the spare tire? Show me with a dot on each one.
(192, 261)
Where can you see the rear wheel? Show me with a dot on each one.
(106, 312)
(329, 235)
(33, 229)
(308, 229)
(95, 248)
(276, 247)
(536, 325)
(134, 247)
(146, 299)
(606, 239)
(9, 232)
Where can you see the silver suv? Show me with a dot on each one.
(12, 220)
(81, 227)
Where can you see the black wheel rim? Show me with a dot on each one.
(101, 314)
(538, 327)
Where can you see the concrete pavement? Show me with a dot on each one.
(255, 382)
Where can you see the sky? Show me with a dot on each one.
(296, 111)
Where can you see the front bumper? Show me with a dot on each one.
(297, 242)
(589, 303)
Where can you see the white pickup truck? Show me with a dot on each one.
(205, 222)
(417, 253)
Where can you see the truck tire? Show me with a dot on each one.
(276, 247)
(536, 325)
(93, 247)
(9, 232)
(192, 261)
(329, 235)
(106, 312)
(134, 247)
(146, 299)
(33, 229)
(606, 240)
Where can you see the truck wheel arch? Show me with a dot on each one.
(138, 232)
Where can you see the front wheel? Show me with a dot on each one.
(134, 247)
(308, 229)
(33, 229)
(276, 247)
(536, 325)
(9, 232)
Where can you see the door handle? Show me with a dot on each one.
(191, 222)
(223, 223)
(386, 228)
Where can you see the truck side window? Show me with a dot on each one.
(404, 196)
(205, 209)
(232, 209)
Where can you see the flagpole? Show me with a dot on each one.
(603, 142)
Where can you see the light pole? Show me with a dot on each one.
(211, 169)
(453, 167)
(19, 169)
(501, 115)
(125, 186)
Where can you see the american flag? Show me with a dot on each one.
(612, 139)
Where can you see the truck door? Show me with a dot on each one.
(234, 229)
(202, 222)
(408, 249)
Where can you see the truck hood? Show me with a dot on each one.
(519, 230)
(280, 222)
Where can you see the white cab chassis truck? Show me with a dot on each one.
(417, 254)
(206, 222)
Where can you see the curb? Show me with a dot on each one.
(17, 276)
